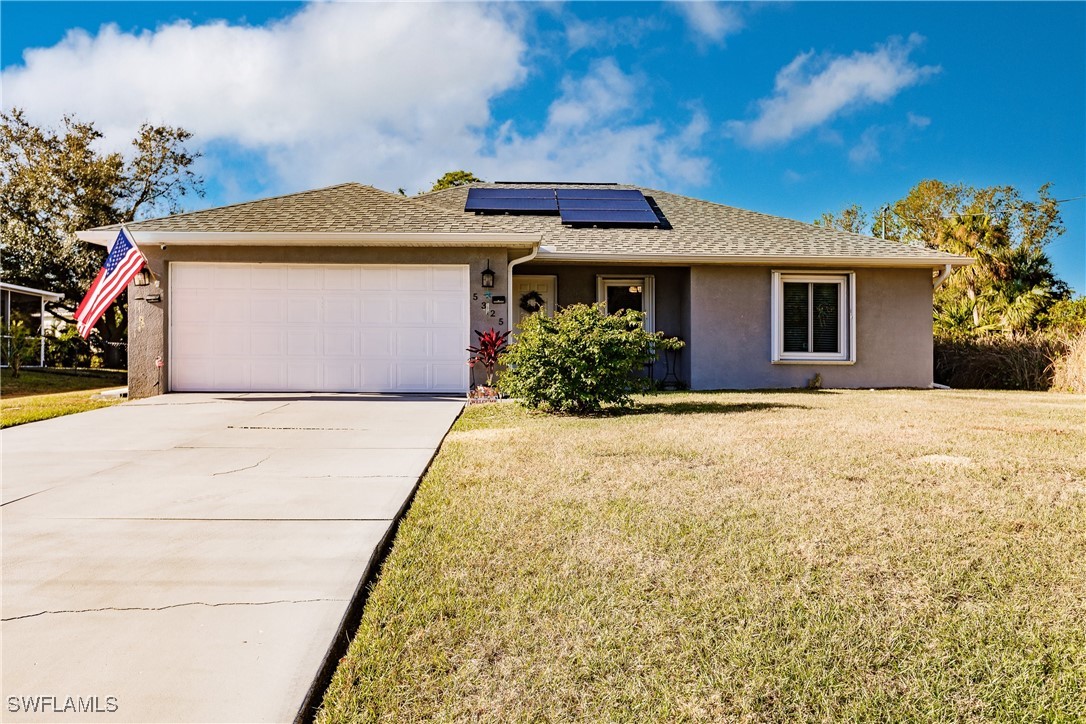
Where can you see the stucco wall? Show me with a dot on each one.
(148, 336)
(730, 343)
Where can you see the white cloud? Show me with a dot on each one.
(390, 94)
(867, 150)
(592, 134)
(918, 120)
(710, 21)
(810, 90)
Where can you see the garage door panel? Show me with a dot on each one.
(377, 311)
(303, 343)
(267, 343)
(340, 342)
(412, 376)
(377, 343)
(341, 278)
(448, 376)
(340, 377)
(268, 374)
(190, 277)
(229, 308)
(232, 374)
(413, 279)
(447, 312)
(376, 279)
(448, 344)
(194, 311)
(413, 310)
(233, 277)
(412, 343)
(341, 309)
(304, 278)
(278, 327)
(303, 375)
(225, 341)
(448, 279)
(263, 276)
(304, 310)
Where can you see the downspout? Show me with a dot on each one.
(938, 281)
(509, 279)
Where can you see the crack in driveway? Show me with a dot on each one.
(177, 605)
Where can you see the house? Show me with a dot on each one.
(350, 288)
(26, 305)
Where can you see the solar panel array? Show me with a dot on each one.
(577, 206)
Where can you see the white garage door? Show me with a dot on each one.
(318, 328)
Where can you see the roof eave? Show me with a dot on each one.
(750, 259)
(55, 296)
(286, 238)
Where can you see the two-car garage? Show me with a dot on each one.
(318, 327)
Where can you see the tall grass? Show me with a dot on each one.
(998, 362)
(1069, 371)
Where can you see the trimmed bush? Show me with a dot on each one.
(998, 362)
(580, 359)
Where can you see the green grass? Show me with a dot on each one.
(43, 394)
(890, 556)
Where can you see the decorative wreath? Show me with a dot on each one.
(532, 301)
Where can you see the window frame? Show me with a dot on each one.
(846, 282)
(648, 293)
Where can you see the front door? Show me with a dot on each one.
(533, 294)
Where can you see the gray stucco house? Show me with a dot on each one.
(350, 288)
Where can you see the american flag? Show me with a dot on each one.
(123, 263)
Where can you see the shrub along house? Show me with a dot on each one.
(350, 288)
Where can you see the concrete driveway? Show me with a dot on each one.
(190, 558)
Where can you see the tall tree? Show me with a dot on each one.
(851, 218)
(455, 178)
(54, 182)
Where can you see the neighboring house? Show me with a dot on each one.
(350, 288)
(27, 305)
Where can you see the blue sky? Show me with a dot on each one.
(786, 108)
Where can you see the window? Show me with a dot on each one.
(637, 293)
(813, 317)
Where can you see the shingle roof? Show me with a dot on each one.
(698, 228)
(345, 208)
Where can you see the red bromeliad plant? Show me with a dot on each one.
(491, 345)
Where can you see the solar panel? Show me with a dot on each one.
(632, 194)
(622, 217)
(610, 207)
(523, 201)
(604, 204)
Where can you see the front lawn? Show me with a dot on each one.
(42, 394)
(890, 555)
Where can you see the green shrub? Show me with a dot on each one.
(67, 349)
(580, 359)
(998, 362)
(19, 346)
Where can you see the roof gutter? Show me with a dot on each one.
(54, 296)
(938, 281)
(105, 237)
(942, 260)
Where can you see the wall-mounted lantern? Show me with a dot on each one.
(488, 276)
(142, 278)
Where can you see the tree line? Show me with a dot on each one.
(1011, 288)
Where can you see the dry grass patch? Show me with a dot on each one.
(738, 556)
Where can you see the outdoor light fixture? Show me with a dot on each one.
(142, 278)
(488, 276)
